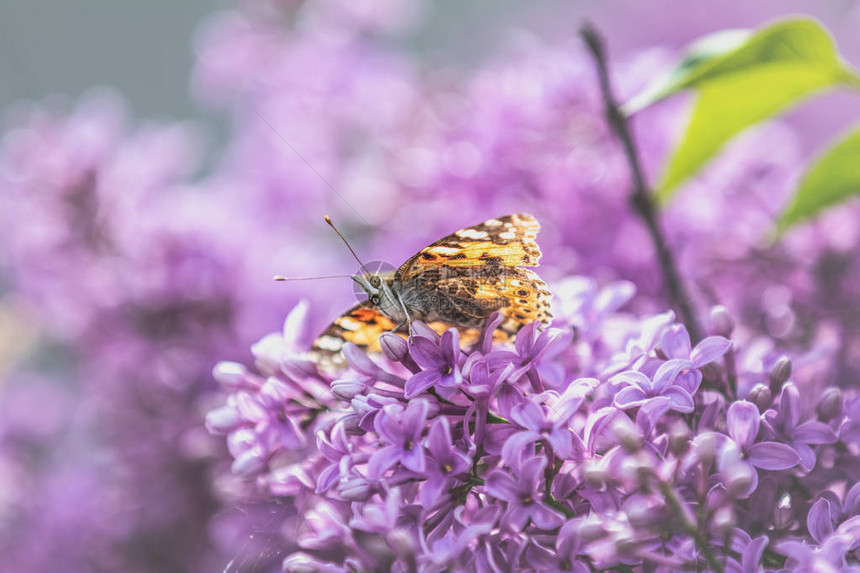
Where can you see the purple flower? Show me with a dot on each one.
(444, 462)
(532, 346)
(784, 425)
(522, 493)
(639, 390)
(400, 429)
(536, 425)
(675, 344)
(828, 512)
(440, 363)
(741, 453)
(336, 450)
(121, 268)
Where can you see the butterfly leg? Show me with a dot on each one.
(407, 320)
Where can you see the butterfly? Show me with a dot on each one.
(458, 281)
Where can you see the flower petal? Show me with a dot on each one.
(815, 432)
(433, 491)
(789, 405)
(414, 418)
(743, 421)
(528, 415)
(772, 456)
(450, 345)
(818, 521)
(382, 460)
(668, 371)
(388, 427)
(525, 340)
(414, 459)
(681, 401)
(531, 472)
(633, 378)
(752, 555)
(426, 353)
(544, 517)
(806, 455)
(502, 486)
(650, 413)
(676, 342)
(630, 397)
(709, 349)
(561, 443)
(421, 382)
(250, 408)
(515, 446)
(439, 438)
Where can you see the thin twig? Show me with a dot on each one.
(690, 528)
(641, 198)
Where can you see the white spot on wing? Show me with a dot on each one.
(445, 250)
(330, 343)
(472, 234)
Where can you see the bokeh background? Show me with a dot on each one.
(161, 161)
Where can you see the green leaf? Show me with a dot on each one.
(699, 54)
(741, 79)
(833, 178)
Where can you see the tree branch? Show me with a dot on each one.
(640, 197)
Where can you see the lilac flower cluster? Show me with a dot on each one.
(123, 261)
(522, 132)
(602, 441)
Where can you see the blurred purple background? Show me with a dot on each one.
(137, 253)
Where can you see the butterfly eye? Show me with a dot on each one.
(374, 281)
(374, 300)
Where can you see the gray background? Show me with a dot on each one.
(144, 49)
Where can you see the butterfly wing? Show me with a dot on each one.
(362, 325)
(508, 241)
(468, 296)
(478, 270)
(468, 275)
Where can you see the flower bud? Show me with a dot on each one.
(707, 448)
(248, 463)
(591, 530)
(738, 478)
(830, 404)
(783, 515)
(738, 474)
(779, 374)
(761, 396)
(401, 543)
(595, 476)
(679, 438)
(348, 388)
(627, 434)
(646, 514)
(222, 420)
(723, 520)
(626, 545)
(230, 375)
(721, 322)
(301, 563)
(396, 349)
(355, 489)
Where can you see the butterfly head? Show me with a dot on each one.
(380, 294)
(378, 287)
(373, 285)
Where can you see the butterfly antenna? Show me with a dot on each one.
(280, 278)
(345, 242)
